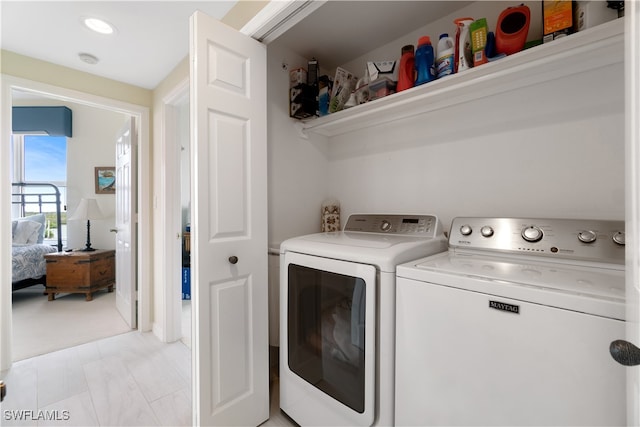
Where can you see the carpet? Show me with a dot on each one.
(41, 326)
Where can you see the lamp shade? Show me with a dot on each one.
(87, 209)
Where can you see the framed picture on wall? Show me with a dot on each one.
(105, 180)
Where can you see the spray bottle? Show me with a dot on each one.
(464, 58)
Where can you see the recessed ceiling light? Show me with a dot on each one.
(98, 25)
(88, 58)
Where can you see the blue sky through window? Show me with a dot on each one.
(45, 158)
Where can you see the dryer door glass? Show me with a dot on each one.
(326, 332)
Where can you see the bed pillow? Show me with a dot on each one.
(27, 232)
(39, 218)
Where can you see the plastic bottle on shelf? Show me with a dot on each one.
(463, 56)
(424, 60)
(406, 73)
(445, 56)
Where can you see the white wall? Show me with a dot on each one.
(526, 153)
(571, 168)
(297, 168)
(92, 144)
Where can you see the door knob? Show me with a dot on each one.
(625, 353)
(233, 259)
(114, 230)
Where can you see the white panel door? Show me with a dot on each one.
(126, 283)
(229, 225)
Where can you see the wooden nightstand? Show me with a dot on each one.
(80, 272)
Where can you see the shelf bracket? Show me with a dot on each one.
(299, 127)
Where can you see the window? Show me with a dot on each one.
(43, 158)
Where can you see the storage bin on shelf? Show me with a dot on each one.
(381, 87)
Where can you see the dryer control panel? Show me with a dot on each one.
(576, 239)
(419, 225)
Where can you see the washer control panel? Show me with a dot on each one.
(579, 239)
(419, 225)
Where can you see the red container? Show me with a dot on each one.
(406, 74)
(512, 29)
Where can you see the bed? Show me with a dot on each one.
(28, 232)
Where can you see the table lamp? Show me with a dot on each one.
(87, 209)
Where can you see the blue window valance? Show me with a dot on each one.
(54, 121)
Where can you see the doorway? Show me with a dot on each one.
(175, 214)
(69, 164)
(141, 115)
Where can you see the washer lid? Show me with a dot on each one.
(588, 289)
(382, 250)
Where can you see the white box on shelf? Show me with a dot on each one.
(379, 69)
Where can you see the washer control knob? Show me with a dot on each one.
(385, 225)
(619, 238)
(486, 231)
(465, 230)
(587, 236)
(532, 234)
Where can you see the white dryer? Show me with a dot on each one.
(512, 326)
(337, 301)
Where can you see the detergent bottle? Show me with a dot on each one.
(445, 56)
(424, 59)
(406, 73)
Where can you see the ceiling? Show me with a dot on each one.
(151, 37)
(341, 31)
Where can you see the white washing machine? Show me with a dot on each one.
(512, 326)
(337, 300)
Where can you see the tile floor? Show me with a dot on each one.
(129, 380)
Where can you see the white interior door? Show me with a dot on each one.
(126, 283)
(229, 225)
